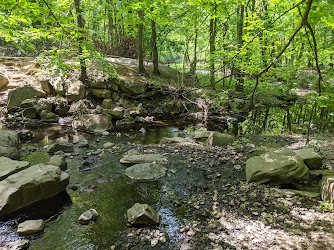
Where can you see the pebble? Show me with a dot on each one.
(154, 242)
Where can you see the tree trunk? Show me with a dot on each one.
(213, 25)
(193, 64)
(155, 56)
(141, 69)
(81, 26)
(239, 85)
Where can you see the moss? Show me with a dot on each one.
(36, 157)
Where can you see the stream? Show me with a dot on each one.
(97, 180)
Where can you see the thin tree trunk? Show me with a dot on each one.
(141, 68)
(81, 26)
(239, 85)
(213, 25)
(155, 56)
(193, 64)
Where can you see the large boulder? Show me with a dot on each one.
(3, 80)
(145, 171)
(81, 107)
(31, 185)
(75, 90)
(102, 93)
(48, 116)
(43, 104)
(311, 159)
(144, 158)
(131, 87)
(9, 167)
(61, 106)
(9, 144)
(18, 95)
(213, 138)
(93, 123)
(143, 214)
(173, 107)
(17, 245)
(278, 167)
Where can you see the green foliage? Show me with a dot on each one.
(326, 206)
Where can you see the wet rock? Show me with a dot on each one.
(88, 216)
(30, 227)
(18, 95)
(213, 138)
(17, 245)
(167, 140)
(29, 113)
(93, 123)
(30, 185)
(3, 80)
(145, 171)
(47, 116)
(59, 161)
(25, 135)
(9, 167)
(277, 167)
(9, 144)
(61, 106)
(311, 159)
(143, 158)
(125, 122)
(143, 214)
(67, 148)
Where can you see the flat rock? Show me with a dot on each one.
(30, 185)
(30, 227)
(311, 159)
(18, 95)
(143, 214)
(145, 171)
(9, 167)
(67, 148)
(143, 158)
(17, 245)
(59, 161)
(278, 167)
(213, 138)
(167, 140)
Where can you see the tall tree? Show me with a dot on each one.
(155, 56)
(141, 68)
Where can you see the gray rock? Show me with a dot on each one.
(213, 138)
(67, 148)
(116, 113)
(102, 93)
(144, 158)
(108, 145)
(167, 140)
(145, 171)
(30, 227)
(75, 90)
(58, 84)
(9, 144)
(311, 159)
(131, 87)
(61, 107)
(276, 168)
(59, 161)
(173, 107)
(9, 167)
(93, 123)
(143, 214)
(17, 245)
(18, 95)
(44, 80)
(30, 185)
(47, 116)
(81, 107)
(89, 215)
(43, 104)
(29, 113)
(125, 122)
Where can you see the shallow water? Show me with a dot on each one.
(101, 184)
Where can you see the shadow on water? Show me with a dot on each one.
(105, 188)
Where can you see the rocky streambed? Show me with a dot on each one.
(204, 199)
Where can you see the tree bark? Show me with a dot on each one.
(212, 28)
(239, 85)
(155, 56)
(81, 26)
(141, 68)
